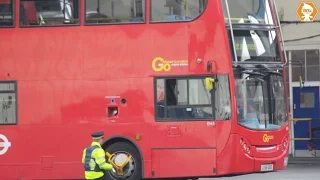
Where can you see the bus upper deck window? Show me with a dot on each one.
(49, 12)
(6, 13)
(114, 11)
(172, 10)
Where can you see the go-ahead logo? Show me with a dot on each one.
(160, 64)
(4, 144)
(266, 138)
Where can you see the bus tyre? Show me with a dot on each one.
(133, 170)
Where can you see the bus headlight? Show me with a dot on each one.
(245, 145)
(285, 143)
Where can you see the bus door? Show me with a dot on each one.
(183, 138)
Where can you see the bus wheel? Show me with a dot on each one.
(133, 170)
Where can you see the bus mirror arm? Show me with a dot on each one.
(209, 66)
(210, 81)
(212, 68)
(301, 79)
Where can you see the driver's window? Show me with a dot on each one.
(188, 98)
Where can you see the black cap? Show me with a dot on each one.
(97, 135)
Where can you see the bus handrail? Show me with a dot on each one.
(281, 35)
(310, 133)
(232, 35)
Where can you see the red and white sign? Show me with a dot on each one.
(4, 144)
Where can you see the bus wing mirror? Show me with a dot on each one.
(209, 83)
(301, 83)
(294, 62)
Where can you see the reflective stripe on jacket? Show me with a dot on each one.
(94, 160)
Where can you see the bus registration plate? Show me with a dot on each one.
(267, 167)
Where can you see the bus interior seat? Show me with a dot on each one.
(6, 23)
(173, 18)
(186, 18)
(96, 17)
(28, 13)
(137, 19)
(251, 122)
(178, 113)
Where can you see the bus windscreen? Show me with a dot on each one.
(261, 104)
(256, 45)
(248, 11)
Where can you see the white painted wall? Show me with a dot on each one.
(294, 31)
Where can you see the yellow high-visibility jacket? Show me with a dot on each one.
(94, 160)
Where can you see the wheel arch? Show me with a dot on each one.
(121, 138)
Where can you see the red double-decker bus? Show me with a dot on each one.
(181, 88)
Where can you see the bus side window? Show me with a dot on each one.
(6, 13)
(28, 13)
(175, 94)
(8, 103)
(189, 98)
(176, 10)
(160, 95)
(171, 92)
(114, 11)
(49, 12)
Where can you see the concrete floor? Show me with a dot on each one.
(294, 172)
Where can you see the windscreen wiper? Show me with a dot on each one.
(244, 70)
(252, 73)
(269, 71)
(260, 59)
